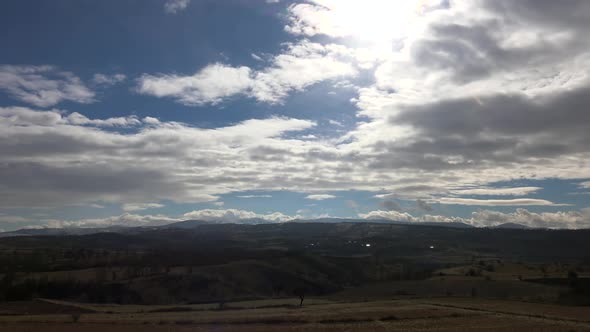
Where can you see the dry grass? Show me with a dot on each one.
(445, 314)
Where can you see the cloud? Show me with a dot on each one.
(320, 197)
(236, 216)
(300, 66)
(496, 202)
(335, 123)
(135, 220)
(175, 6)
(43, 86)
(487, 218)
(76, 118)
(51, 158)
(482, 218)
(416, 191)
(140, 206)
(108, 80)
(208, 86)
(126, 219)
(518, 191)
(451, 98)
(24, 117)
(254, 196)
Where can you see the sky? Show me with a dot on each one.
(146, 112)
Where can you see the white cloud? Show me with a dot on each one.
(103, 79)
(254, 196)
(236, 216)
(300, 66)
(126, 219)
(208, 86)
(50, 158)
(320, 197)
(175, 6)
(518, 191)
(43, 86)
(487, 218)
(584, 185)
(151, 120)
(22, 116)
(79, 119)
(335, 123)
(495, 202)
(140, 206)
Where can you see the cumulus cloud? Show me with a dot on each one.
(585, 184)
(43, 86)
(319, 197)
(54, 158)
(175, 6)
(208, 86)
(137, 220)
(300, 66)
(126, 220)
(487, 218)
(236, 216)
(25, 117)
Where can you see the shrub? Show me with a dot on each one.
(76, 317)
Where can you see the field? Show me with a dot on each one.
(440, 314)
(203, 277)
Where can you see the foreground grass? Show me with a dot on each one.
(443, 314)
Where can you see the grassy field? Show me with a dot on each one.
(440, 314)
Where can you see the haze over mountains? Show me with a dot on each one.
(190, 224)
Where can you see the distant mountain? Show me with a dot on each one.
(185, 224)
(190, 224)
(383, 221)
(446, 224)
(63, 231)
(512, 225)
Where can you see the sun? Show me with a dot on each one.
(374, 23)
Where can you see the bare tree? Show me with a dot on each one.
(300, 292)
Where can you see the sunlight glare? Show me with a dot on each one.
(377, 24)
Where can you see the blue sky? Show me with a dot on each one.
(149, 112)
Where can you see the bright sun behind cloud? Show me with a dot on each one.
(374, 23)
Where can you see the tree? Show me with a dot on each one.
(300, 292)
